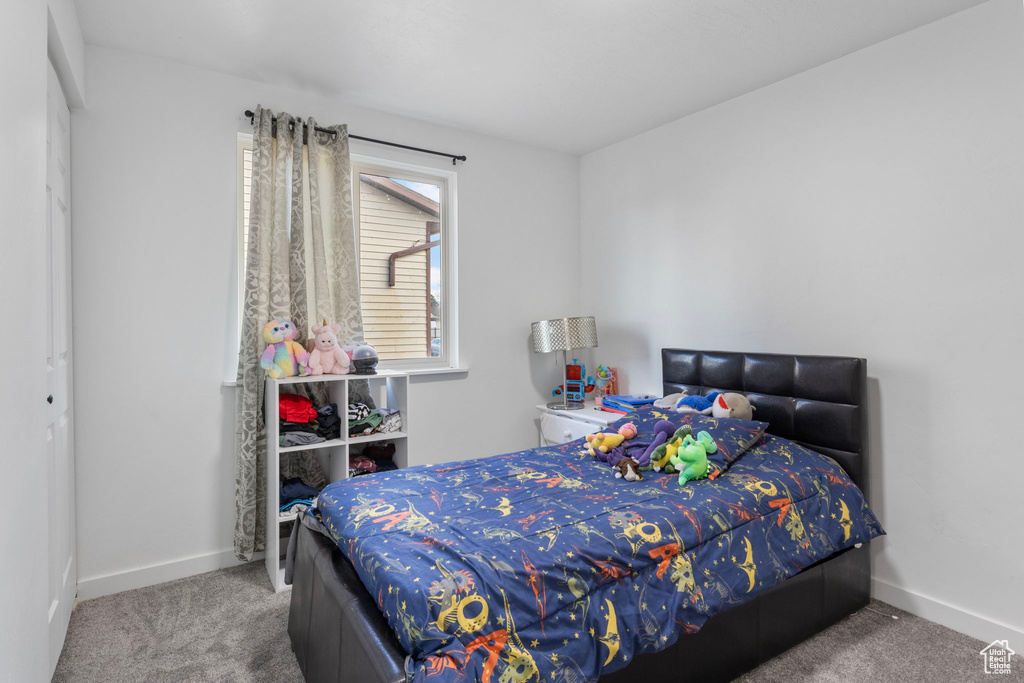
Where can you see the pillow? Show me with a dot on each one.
(733, 437)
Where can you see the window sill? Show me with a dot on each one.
(412, 372)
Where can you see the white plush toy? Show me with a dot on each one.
(327, 357)
(669, 402)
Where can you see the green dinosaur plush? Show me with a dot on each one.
(691, 458)
(662, 455)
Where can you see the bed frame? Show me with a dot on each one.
(338, 634)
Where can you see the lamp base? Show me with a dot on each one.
(565, 406)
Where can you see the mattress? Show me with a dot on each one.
(540, 564)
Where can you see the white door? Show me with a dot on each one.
(63, 580)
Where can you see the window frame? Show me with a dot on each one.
(449, 358)
(244, 143)
(449, 307)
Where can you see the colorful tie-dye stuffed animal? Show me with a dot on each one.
(284, 357)
(327, 357)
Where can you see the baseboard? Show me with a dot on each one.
(98, 586)
(958, 619)
(955, 618)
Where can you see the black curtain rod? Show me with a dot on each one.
(453, 157)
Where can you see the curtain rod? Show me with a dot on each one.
(454, 157)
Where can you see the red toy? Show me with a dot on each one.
(578, 388)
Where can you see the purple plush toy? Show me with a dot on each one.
(662, 431)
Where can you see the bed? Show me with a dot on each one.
(341, 631)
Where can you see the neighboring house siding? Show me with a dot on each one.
(394, 318)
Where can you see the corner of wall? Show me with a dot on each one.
(65, 47)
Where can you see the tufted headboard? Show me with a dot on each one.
(818, 401)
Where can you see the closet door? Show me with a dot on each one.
(63, 578)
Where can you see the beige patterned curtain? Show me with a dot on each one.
(300, 265)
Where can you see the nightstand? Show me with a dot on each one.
(560, 426)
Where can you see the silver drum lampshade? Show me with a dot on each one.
(564, 334)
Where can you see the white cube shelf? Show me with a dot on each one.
(387, 388)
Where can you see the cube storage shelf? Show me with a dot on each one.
(388, 390)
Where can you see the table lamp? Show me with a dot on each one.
(564, 334)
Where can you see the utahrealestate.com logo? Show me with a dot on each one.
(997, 657)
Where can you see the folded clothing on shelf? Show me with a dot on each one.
(376, 457)
(294, 490)
(391, 421)
(300, 439)
(313, 426)
(295, 408)
(325, 426)
(361, 462)
(382, 466)
(379, 451)
(296, 507)
(376, 420)
(366, 425)
(357, 411)
(328, 421)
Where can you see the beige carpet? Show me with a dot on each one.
(229, 627)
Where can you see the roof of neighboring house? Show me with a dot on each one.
(399, 191)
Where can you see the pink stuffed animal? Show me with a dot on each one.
(327, 357)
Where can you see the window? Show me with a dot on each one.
(405, 224)
(404, 219)
(243, 161)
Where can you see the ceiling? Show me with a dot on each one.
(570, 75)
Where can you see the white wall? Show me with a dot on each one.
(24, 643)
(870, 207)
(154, 269)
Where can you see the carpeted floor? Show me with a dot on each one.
(229, 627)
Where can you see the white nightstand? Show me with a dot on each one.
(560, 426)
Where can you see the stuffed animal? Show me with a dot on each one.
(691, 458)
(613, 456)
(603, 442)
(697, 404)
(669, 402)
(628, 469)
(732, 405)
(661, 457)
(327, 357)
(663, 429)
(610, 447)
(283, 357)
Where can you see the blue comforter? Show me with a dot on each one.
(541, 565)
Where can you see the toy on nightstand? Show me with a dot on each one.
(283, 357)
(606, 383)
(575, 387)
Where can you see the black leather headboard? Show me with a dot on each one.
(817, 401)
